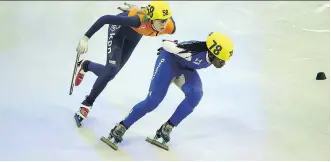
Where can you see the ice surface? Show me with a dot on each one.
(265, 104)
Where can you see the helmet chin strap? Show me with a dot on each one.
(211, 57)
(154, 27)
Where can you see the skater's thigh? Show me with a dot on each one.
(189, 81)
(164, 72)
(128, 48)
(115, 45)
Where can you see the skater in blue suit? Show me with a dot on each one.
(178, 63)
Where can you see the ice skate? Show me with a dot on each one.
(82, 114)
(164, 134)
(81, 72)
(116, 134)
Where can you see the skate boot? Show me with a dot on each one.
(82, 65)
(164, 133)
(82, 113)
(117, 134)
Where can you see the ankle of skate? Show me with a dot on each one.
(81, 73)
(164, 132)
(83, 111)
(118, 132)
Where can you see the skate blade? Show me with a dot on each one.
(157, 143)
(73, 74)
(77, 120)
(109, 143)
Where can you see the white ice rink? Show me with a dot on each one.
(265, 104)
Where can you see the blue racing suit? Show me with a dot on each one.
(169, 67)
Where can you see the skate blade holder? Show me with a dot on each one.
(109, 143)
(78, 123)
(157, 143)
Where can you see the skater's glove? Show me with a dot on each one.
(159, 50)
(127, 7)
(174, 41)
(172, 47)
(82, 45)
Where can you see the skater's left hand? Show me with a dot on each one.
(127, 7)
(82, 45)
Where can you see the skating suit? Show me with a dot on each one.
(180, 69)
(124, 33)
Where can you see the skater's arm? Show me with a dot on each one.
(133, 21)
(193, 46)
(184, 49)
(172, 47)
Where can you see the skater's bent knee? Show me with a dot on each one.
(194, 92)
(194, 96)
(111, 72)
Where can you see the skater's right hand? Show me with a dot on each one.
(82, 45)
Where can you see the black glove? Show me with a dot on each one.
(159, 50)
(176, 41)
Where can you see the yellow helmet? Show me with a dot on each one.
(158, 10)
(220, 45)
